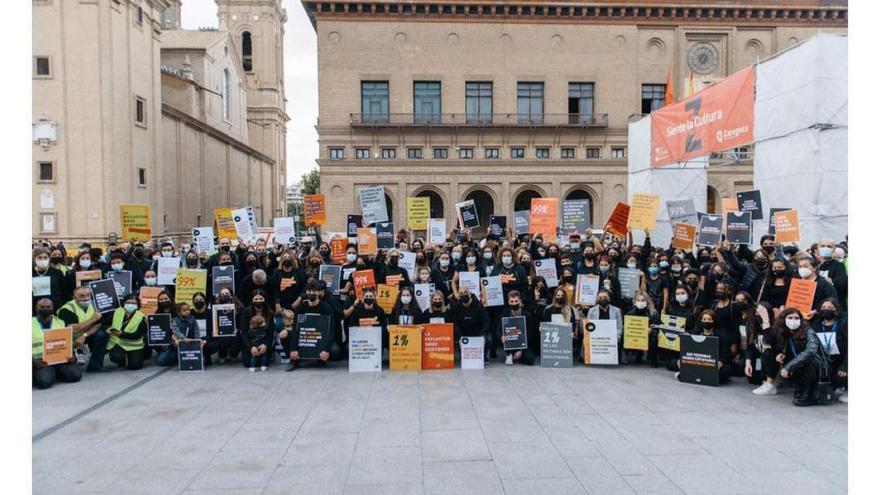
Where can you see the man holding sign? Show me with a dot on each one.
(515, 325)
(52, 343)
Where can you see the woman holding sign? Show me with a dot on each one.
(126, 330)
(47, 281)
(436, 311)
(808, 270)
(559, 311)
(228, 347)
(258, 306)
(644, 306)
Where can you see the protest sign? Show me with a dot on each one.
(367, 242)
(683, 236)
(669, 338)
(386, 296)
(739, 227)
(587, 289)
(222, 277)
(41, 286)
(135, 221)
(166, 270)
(407, 262)
(159, 329)
(498, 225)
(122, 282)
(467, 214)
(57, 345)
(547, 268)
(543, 217)
(600, 342)
(362, 279)
(104, 296)
(314, 335)
(643, 211)
(438, 231)
(149, 297)
(699, 359)
(354, 222)
(285, 230)
(423, 295)
(224, 320)
(418, 212)
(472, 353)
(800, 295)
(203, 240)
(710, 230)
(521, 222)
(471, 280)
(385, 235)
(750, 201)
(575, 215)
(682, 211)
(491, 293)
(314, 210)
(787, 226)
(513, 329)
(189, 355)
(225, 225)
(364, 349)
(617, 222)
(338, 246)
(630, 281)
(438, 352)
(771, 224)
(373, 207)
(86, 276)
(635, 332)
(405, 348)
(246, 224)
(188, 283)
(556, 345)
(332, 276)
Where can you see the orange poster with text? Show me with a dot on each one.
(800, 295)
(616, 224)
(787, 226)
(437, 347)
(314, 209)
(683, 236)
(543, 217)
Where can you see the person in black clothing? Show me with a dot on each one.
(367, 313)
(644, 306)
(256, 340)
(48, 281)
(391, 273)
(405, 309)
(775, 289)
(443, 274)
(312, 305)
(287, 283)
(515, 308)
(727, 321)
(833, 270)
(749, 276)
(559, 311)
(258, 280)
(707, 326)
(469, 318)
(808, 270)
(682, 306)
(258, 306)
(802, 356)
(436, 311)
(229, 347)
(832, 329)
(205, 325)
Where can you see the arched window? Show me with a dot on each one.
(389, 207)
(436, 202)
(582, 194)
(712, 200)
(523, 200)
(225, 94)
(247, 54)
(485, 208)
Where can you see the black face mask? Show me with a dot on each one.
(720, 295)
(199, 304)
(313, 297)
(225, 299)
(567, 279)
(430, 255)
(761, 263)
(287, 263)
(828, 314)
(224, 249)
(779, 273)
(560, 299)
(192, 262)
(258, 305)
(314, 263)
(466, 299)
(44, 313)
(718, 276)
(693, 283)
(369, 301)
(252, 262)
(709, 325)
(437, 304)
(604, 303)
(614, 257)
(769, 249)
(392, 262)
(324, 253)
(165, 306)
(589, 256)
(514, 307)
(138, 253)
(55, 260)
(420, 260)
(704, 257)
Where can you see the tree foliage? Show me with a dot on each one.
(311, 182)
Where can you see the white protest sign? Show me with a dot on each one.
(600, 342)
(408, 263)
(285, 232)
(166, 272)
(437, 228)
(373, 207)
(471, 280)
(547, 269)
(246, 224)
(587, 288)
(423, 295)
(492, 294)
(364, 349)
(472, 353)
(203, 240)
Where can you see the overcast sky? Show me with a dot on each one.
(301, 79)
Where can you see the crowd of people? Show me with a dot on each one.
(731, 292)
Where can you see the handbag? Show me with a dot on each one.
(824, 389)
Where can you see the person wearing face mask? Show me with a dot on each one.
(808, 270)
(443, 274)
(259, 306)
(727, 320)
(676, 270)
(366, 312)
(707, 328)
(608, 279)
(642, 306)
(657, 286)
(82, 263)
(748, 320)
(81, 316)
(488, 259)
(775, 288)
(566, 282)
(287, 282)
(759, 350)
(405, 310)
(258, 281)
(256, 341)
(184, 327)
(56, 260)
(391, 273)
(604, 310)
(164, 305)
(470, 319)
(47, 281)
(224, 246)
(457, 257)
(515, 308)
(831, 328)
(44, 375)
(587, 263)
(205, 324)
(126, 327)
(802, 356)
(228, 348)
(191, 260)
(312, 305)
(137, 261)
(324, 251)
(831, 269)
(436, 310)
(471, 264)
(250, 263)
(348, 268)
(682, 306)
(166, 250)
(224, 259)
(750, 276)
(559, 311)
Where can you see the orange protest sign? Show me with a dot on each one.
(787, 226)
(616, 224)
(57, 345)
(437, 347)
(643, 211)
(386, 296)
(337, 250)
(149, 297)
(715, 119)
(225, 224)
(135, 221)
(683, 236)
(800, 295)
(362, 279)
(86, 276)
(543, 217)
(314, 209)
(367, 241)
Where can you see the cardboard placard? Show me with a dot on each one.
(600, 342)
(497, 225)
(771, 224)
(385, 235)
(225, 320)
(513, 329)
(364, 349)
(189, 355)
(354, 222)
(57, 345)
(643, 211)
(699, 359)
(521, 222)
(682, 211)
(405, 347)
(710, 230)
(630, 281)
(41, 286)
(222, 277)
(472, 353)
(438, 351)
(224, 223)
(104, 296)
(418, 211)
(683, 236)
(467, 214)
(135, 221)
(669, 338)
(543, 217)
(373, 208)
(556, 345)
(635, 332)
(314, 210)
(314, 335)
(386, 296)
(423, 294)
(750, 201)
(86, 276)
(787, 226)
(246, 224)
(367, 242)
(149, 297)
(587, 289)
(332, 276)
(338, 245)
(362, 279)
(203, 240)
(739, 227)
(491, 293)
(122, 282)
(159, 329)
(617, 222)
(166, 270)
(575, 215)
(438, 231)
(189, 282)
(800, 295)
(285, 230)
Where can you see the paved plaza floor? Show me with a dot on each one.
(517, 429)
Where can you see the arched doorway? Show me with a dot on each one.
(712, 200)
(523, 200)
(485, 208)
(389, 207)
(436, 202)
(582, 194)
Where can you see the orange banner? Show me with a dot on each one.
(362, 279)
(800, 295)
(543, 217)
(788, 227)
(616, 224)
(149, 297)
(337, 250)
(437, 347)
(718, 118)
(683, 236)
(367, 241)
(314, 209)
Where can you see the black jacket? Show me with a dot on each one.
(471, 320)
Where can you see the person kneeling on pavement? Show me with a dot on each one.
(514, 308)
(312, 305)
(45, 375)
(802, 356)
(184, 327)
(80, 314)
(126, 328)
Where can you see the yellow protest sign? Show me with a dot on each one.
(643, 211)
(225, 224)
(188, 283)
(669, 340)
(405, 347)
(418, 211)
(386, 296)
(135, 221)
(635, 332)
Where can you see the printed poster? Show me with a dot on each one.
(710, 230)
(122, 282)
(159, 329)
(600, 342)
(699, 360)
(423, 295)
(547, 268)
(104, 296)
(225, 225)
(57, 345)
(314, 210)
(472, 353)
(354, 222)
(385, 235)
(556, 345)
(543, 217)
(135, 221)
(332, 276)
(787, 226)
(367, 242)
(683, 236)
(285, 230)
(222, 277)
(575, 215)
(617, 222)
(373, 208)
(513, 329)
(587, 290)
(386, 296)
(643, 211)
(361, 280)
(314, 335)
(189, 356)
(364, 349)
(188, 283)
(771, 224)
(498, 225)
(418, 212)
(739, 227)
(491, 294)
(203, 240)
(438, 352)
(467, 214)
(630, 280)
(149, 297)
(438, 231)
(521, 222)
(224, 320)
(471, 280)
(750, 201)
(405, 347)
(246, 224)
(682, 211)
(800, 295)
(635, 332)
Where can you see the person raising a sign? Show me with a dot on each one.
(604, 310)
(514, 309)
(391, 273)
(127, 327)
(80, 314)
(749, 276)
(184, 327)
(808, 270)
(205, 324)
(44, 375)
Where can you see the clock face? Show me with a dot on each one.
(703, 58)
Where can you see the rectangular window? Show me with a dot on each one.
(142, 177)
(653, 96)
(41, 67)
(362, 153)
(140, 15)
(337, 153)
(618, 153)
(465, 153)
(374, 101)
(567, 153)
(530, 102)
(441, 153)
(46, 171)
(517, 153)
(478, 102)
(593, 152)
(414, 153)
(140, 110)
(580, 103)
(389, 153)
(492, 153)
(426, 101)
(542, 153)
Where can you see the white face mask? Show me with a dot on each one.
(471, 260)
(424, 277)
(131, 308)
(805, 272)
(156, 256)
(167, 254)
(630, 265)
(792, 323)
(405, 299)
(85, 263)
(351, 257)
(150, 281)
(825, 251)
(117, 267)
(403, 247)
(42, 264)
(641, 304)
(487, 256)
(681, 298)
(838, 255)
(506, 260)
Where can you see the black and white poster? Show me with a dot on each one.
(521, 221)
(159, 329)
(189, 355)
(332, 276)
(104, 295)
(682, 211)
(122, 282)
(575, 215)
(224, 320)
(772, 221)
(222, 277)
(467, 214)
(354, 223)
(699, 359)
(513, 328)
(556, 346)
(373, 207)
(739, 227)
(313, 331)
(710, 230)
(750, 201)
(385, 235)
(497, 225)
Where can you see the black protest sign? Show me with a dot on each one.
(189, 355)
(699, 359)
(575, 215)
(750, 201)
(385, 235)
(354, 223)
(521, 221)
(739, 227)
(467, 214)
(224, 320)
(332, 276)
(222, 277)
(159, 329)
(513, 328)
(104, 295)
(122, 282)
(556, 345)
(313, 335)
(710, 230)
(497, 225)
(772, 223)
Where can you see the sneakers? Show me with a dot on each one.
(263, 368)
(252, 369)
(840, 393)
(508, 360)
(766, 388)
(677, 373)
(843, 398)
(292, 367)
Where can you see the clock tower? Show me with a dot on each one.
(257, 31)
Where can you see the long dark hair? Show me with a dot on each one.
(782, 332)
(253, 309)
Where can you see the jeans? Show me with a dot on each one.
(167, 357)
(98, 346)
(133, 360)
(261, 360)
(45, 377)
